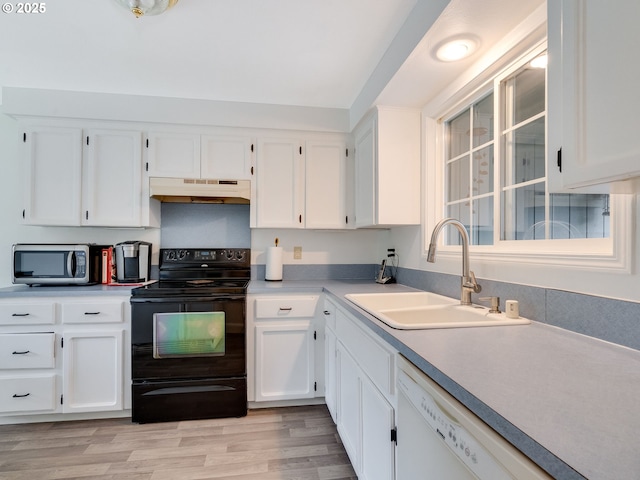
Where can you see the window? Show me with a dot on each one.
(495, 168)
(470, 170)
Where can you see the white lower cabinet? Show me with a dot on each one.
(27, 350)
(283, 333)
(28, 394)
(285, 361)
(93, 371)
(21, 354)
(378, 421)
(29, 374)
(364, 394)
(349, 401)
(96, 366)
(64, 355)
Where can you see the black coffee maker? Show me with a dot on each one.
(133, 261)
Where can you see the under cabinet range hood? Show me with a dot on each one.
(189, 190)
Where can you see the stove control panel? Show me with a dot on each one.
(205, 257)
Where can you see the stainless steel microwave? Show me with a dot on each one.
(51, 264)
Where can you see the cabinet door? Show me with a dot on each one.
(53, 176)
(226, 157)
(93, 370)
(284, 361)
(330, 379)
(112, 183)
(173, 155)
(377, 423)
(325, 187)
(365, 174)
(280, 183)
(593, 92)
(349, 401)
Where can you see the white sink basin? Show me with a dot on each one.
(398, 300)
(423, 310)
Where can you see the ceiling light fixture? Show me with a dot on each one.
(147, 7)
(455, 48)
(539, 62)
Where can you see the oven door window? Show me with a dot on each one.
(188, 334)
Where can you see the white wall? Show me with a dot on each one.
(322, 247)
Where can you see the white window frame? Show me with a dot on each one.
(611, 254)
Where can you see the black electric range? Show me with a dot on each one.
(188, 337)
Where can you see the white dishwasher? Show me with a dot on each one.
(439, 438)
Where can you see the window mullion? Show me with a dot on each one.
(506, 166)
(472, 111)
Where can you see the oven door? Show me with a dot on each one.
(187, 338)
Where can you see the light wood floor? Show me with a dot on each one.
(293, 443)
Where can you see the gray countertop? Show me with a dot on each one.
(567, 401)
(23, 291)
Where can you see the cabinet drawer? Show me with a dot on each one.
(330, 314)
(283, 307)
(92, 312)
(27, 394)
(27, 350)
(375, 359)
(28, 313)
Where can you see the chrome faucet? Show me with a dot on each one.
(468, 283)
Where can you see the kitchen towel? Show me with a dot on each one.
(273, 270)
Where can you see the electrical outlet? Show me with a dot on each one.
(297, 253)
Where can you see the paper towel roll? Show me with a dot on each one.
(273, 270)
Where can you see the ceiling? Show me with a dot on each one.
(316, 53)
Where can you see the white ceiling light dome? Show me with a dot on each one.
(147, 7)
(456, 48)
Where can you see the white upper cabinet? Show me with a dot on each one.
(112, 184)
(53, 175)
(280, 183)
(301, 184)
(387, 168)
(192, 155)
(226, 157)
(593, 93)
(173, 155)
(326, 185)
(83, 177)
